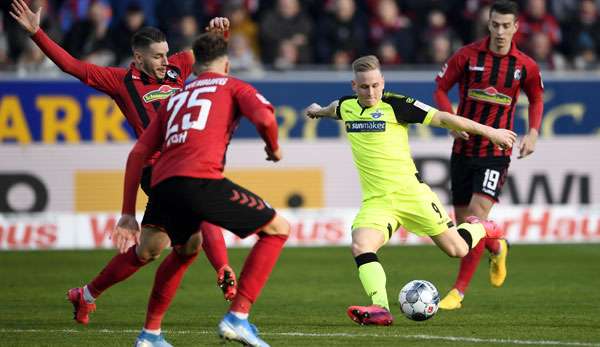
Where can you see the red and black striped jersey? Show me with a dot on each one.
(138, 95)
(489, 86)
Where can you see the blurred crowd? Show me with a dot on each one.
(292, 34)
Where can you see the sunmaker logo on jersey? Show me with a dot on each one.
(490, 94)
(163, 92)
(368, 126)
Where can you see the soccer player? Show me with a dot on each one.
(393, 193)
(138, 91)
(193, 131)
(490, 74)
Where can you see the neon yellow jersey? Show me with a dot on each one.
(379, 139)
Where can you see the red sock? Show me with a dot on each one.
(468, 265)
(120, 267)
(492, 245)
(214, 245)
(256, 271)
(166, 281)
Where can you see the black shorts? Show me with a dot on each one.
(471, 175)
(180, 204)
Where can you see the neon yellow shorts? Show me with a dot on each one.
(416, 208)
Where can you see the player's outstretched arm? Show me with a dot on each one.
(315, 110)
(503, 138)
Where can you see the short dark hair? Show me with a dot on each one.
(147, 36)
(505, 7)
(208, 47)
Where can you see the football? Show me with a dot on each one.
(419, 300)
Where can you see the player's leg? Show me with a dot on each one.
(371, 229)
(172, 213)
(477, 182)
(216, 252)
(213, 244)
(244, 213)
(168, 278)
(120, 267)
(480, 207)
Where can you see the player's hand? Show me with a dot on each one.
(312, 111)
(527, 145)
(25, 17)
(218, 25)
(126, 233)
(503, 138)
(459, 134)
(275, 155)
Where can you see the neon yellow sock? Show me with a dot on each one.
(372, 277)
(471, 233)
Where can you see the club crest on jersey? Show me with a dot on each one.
(377, 114)
(172, 74)
(491, 95)
(163, 92)
(517, 75)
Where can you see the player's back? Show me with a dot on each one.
(197, 125)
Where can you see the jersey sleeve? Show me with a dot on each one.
(409, 110)
(451, 71)
(185, 61)
(259, 111)
(150, 141)
(104, 79)
(338, 109)
(533, 87)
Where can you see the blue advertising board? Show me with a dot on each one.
(66, 111)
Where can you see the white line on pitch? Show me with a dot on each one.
(407, 337)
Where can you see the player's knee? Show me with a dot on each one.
(457, 251)
(278, 226)
(147, 254)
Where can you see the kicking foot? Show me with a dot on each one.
(81, 308)
(370, 315)
(492, 230)
(452, 300)
(498, 264)
(227, 282)
(232, 328)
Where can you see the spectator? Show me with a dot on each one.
(435, 36)
(535, 19)
(391, 26)
(242, 24)
(540, 49)
(468, 12)
(582, 33)
(480, 25)
(170, 12)
(183, 37)
(33, 60)
(3, 46)
(120, 35)
(88, 38)
(342, 34)
(439, 50)
(287, 56)
(241, 56)
(388, 54)
(282, 28)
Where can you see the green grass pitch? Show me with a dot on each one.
(551, 297)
